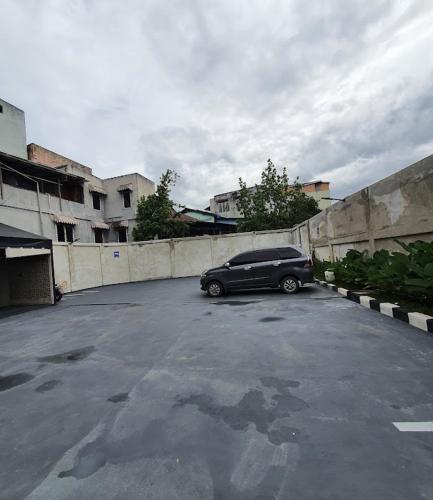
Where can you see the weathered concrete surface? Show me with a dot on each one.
(399, 206)
(157, 392)
(12, 130)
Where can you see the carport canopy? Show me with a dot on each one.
(26, 273)
(12, 237)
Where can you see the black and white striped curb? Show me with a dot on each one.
(418, 320)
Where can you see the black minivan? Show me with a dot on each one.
(282, 267)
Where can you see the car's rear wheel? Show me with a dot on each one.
(214, 289)
(289, 284)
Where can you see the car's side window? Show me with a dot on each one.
(289, 253)
(255, 257)
(243, 259)
(266, 256)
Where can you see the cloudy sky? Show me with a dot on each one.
(338, 90)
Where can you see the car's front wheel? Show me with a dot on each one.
(214, 289)
(289, 284)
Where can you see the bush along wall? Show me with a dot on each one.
(408, 275)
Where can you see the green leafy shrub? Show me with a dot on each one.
(407, 274)
(320, 266)
(352, 269)
(419, 278)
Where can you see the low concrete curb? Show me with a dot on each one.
(418, 320)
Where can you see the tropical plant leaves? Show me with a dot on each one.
(409, 274)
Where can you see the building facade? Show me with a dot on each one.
(12, 130)
(61, 199)
(225, 204)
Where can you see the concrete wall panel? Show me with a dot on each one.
(149, 260)
(304, 236)
(226, 247)
(402, 204)
(62, 273)
(114, 264)
(341, 250)
(85, 266)
(274, 239)
(323, 253)
(191, 256)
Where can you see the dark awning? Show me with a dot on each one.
(14, 237)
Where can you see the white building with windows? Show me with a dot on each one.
(48, 194)
(67, 202)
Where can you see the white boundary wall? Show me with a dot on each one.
(85, 265)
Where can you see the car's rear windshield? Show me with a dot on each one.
(289, 253)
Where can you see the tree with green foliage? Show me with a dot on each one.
(156, 217)
(274, 203)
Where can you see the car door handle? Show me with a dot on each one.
(247, 267)
(277, 263)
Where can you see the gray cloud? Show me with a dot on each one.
(338, 90)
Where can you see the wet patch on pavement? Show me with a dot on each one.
(119, 398)
(69, 356)
(48, 386)
(89, 460)
(236, 302)
(10, 381)
(254, 409)
(284, 435)
(94, 455)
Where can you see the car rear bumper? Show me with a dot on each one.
(306, 275)
(203, 283)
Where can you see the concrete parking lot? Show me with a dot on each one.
(154, 391)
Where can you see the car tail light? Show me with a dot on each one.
(309, 263)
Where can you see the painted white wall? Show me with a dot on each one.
(150, 260)
(114, 269)
(12, 130)
(62, 274)
(85, 266)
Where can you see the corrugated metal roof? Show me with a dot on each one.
(199, 214)
(183, 217)
(65, 219)
(99, 224)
